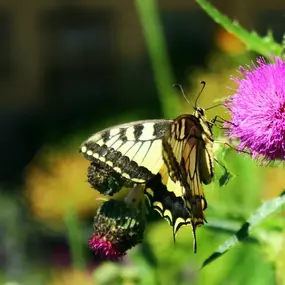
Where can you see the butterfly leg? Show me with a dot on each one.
(232, 147)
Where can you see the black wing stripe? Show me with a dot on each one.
(138, 130)
(169, 206)
(160, 129)
(106, 136)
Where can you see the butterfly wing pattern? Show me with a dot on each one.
(132, 150)
(189, 148)
(171, 158)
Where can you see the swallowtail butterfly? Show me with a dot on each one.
(171, 158)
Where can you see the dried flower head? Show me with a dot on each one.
(258, 109)
(118, 226)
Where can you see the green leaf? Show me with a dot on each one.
(263, 45)
(222, 173)
(225, 178)
(263, 212)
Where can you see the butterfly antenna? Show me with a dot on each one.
(204, 84)
(182, 92)
(217, 105)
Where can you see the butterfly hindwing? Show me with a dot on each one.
(169, 206)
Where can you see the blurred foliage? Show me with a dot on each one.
(265, 210)
(72, 276)
(55, 183)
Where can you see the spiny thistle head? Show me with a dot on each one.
(258, 109)
(118, 226)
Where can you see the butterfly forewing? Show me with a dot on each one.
(188, 150)
(133, 150)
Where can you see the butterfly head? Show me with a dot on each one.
(199, 113)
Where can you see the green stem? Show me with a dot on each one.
(74, 238)
(156, 45)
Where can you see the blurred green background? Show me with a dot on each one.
(70, 68)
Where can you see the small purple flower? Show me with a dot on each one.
(118, 226)
(258, 109)
(104, 247)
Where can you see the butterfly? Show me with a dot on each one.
(170, 158)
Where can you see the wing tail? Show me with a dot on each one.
(169, 206)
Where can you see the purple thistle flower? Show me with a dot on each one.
(118, 226)
(104, 247)
(258, 109)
